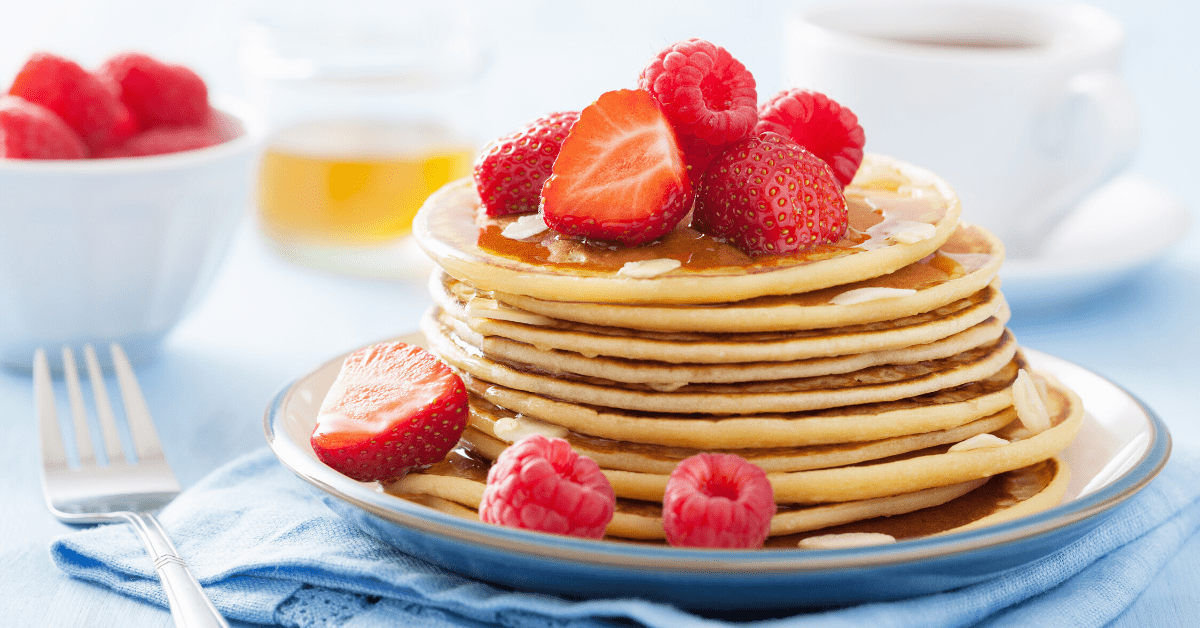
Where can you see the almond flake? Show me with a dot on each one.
(526, 226)
(980, 441)
(862, 295)
(491, 308)
(912, 232)
(1031, 408)
(513, 429)
(846, 540)
(646, 269)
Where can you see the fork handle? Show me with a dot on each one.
(190, 607)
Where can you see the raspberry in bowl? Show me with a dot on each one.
(114, 225)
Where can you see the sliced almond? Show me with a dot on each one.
(479, 307)
(979, 441)
(862, 295)
(513, 429)
(1031, 408)
(526, 226)
(646, 269)
(846, 540)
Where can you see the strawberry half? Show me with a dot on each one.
(819, 124)
(393, 407)
(768, 195)
(620, 174)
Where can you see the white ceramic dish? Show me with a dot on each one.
(117, 250)
(1091, 251)
(1122, 446)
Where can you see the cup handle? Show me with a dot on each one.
(1089, 155)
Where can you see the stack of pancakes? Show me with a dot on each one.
(847, 372)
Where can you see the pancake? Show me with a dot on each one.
(456, 487)
(673, 375)
(482, 439)
(725, 348)
(964, 265)
(938, 410)
(875, 384)
(888, 208)
(904, 471)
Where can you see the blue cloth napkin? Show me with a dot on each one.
(269, 553)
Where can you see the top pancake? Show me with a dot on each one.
(891, 206)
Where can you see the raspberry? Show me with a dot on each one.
(708, 96)
(540, 483)
(84, 101)
(156, 92)
(818, 123)
(770, 195)
(31, 131)
(510, 171)
(718, 500)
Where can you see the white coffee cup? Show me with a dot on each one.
(1019, 107)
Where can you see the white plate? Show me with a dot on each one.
(1121, 447)
(1092, 250)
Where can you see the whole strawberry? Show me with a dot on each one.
(619, 175)
(768, 195)
(708, 96)
(510, 171)
(819, 124)
(540, 483)
(393, 407)
(718, 500)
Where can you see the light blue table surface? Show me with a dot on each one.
(266, 321)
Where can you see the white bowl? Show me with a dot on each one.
(117, 250)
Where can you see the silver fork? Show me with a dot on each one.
(122, 490)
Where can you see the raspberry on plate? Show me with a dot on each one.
(768, 195)
(510, 170)
(718, 500)
(393, 407)
(157, 93)
(708, 96)
(540, 483)
(619, 174)
(87, 103)
(31, 131)
(819, 124)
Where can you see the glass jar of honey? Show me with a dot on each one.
(371, 106)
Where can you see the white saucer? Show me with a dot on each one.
(1092, 250)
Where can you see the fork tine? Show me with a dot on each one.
(141, 426)
(83, 439)
(53, 452)
(104, 412)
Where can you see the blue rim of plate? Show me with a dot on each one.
(665, 559)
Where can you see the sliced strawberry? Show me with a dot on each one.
(510, 171)
(818, 123)
(709, 96)
(620, 174)
(87, 103)
(393, 407)
(156, 92)
(31, 131)
(768, 195)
